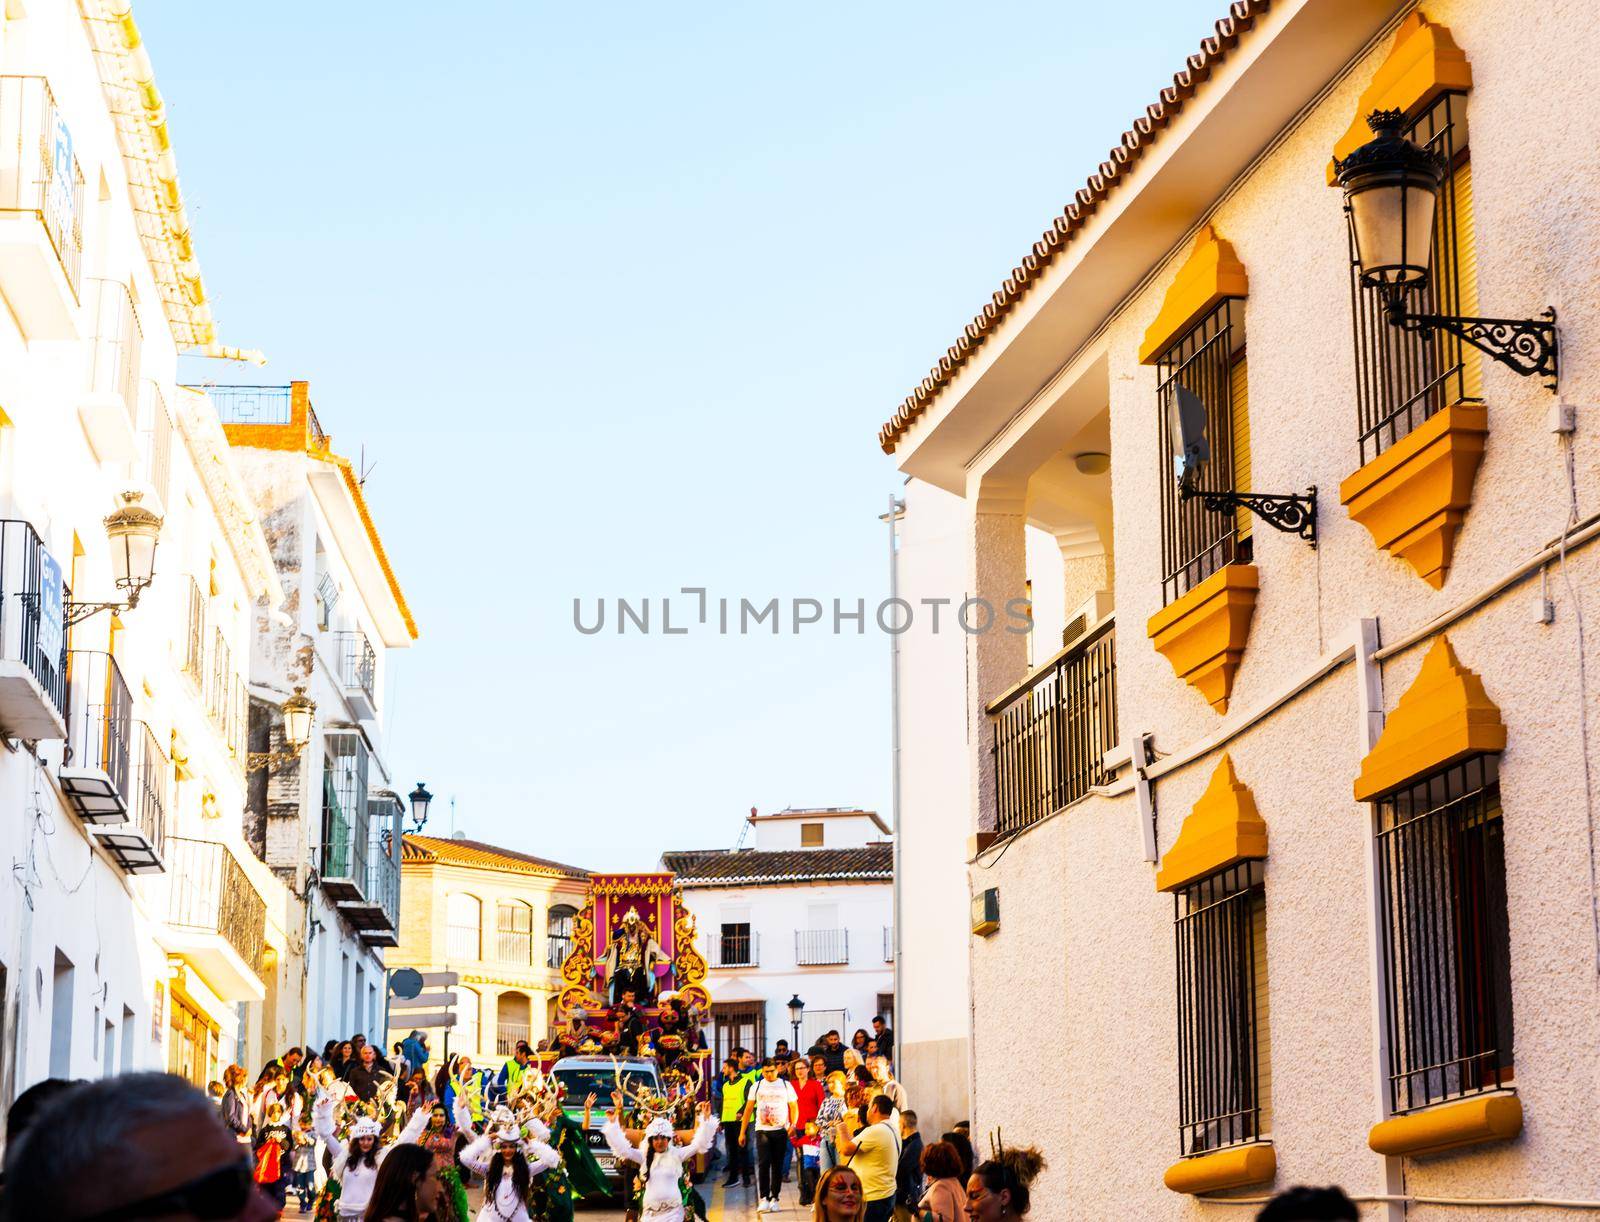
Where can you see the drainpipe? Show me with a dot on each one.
(897, 511)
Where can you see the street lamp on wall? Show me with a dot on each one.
(299, 713)
(420, 801)
(132, 532)
(1391, 190)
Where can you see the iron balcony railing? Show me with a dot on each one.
(557, 948)
(27, 634)
(194, 639)
(358, 664)
(1052, 732)
(815, 947)
(155, 441)
(344, 842)
(99, 719)
(733, 949)
(114, 344)
(508, 1035)
(152, 773)
(39, 173)
(383, 856)
(462, 943)
(514, 946)
(211, 893)
(250, 404)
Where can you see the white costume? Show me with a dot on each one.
(663, 1198)
(356, 1179)
(507, 1205)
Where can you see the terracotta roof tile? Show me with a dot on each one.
(869, 863)
(453, 852)
(1130, 148)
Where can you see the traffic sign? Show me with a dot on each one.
(423, 1001)
(405, 982)
(440, 980)
(430, 1018)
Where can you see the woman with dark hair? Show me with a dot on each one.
(406, 1190)
(354, 1169)
(441, 1139)
(664, 1190)
(944, 1199)
(501, 1157)
(839, 1197)
(343, 1058)
(959, 1142)
(859, 1042)
(999, 1186)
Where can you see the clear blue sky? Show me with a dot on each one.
(616, 297)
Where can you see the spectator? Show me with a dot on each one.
(344, 1056)
(884, 1077)
(172, 1156)
(874, 1155)
(1301, 1204)
(858, 1041)
(819, 1066)
(999, 1188)
(20, 1118)
(944, 1199)
(734, 1085)
(829, 1116)
(365, 1076)
(838, 1197)
(884, 1035)
(771, 1103)
(958, 1142)
(780, 1052)
(908, 1171)
(808, 1098)
(509, 1080)
(406, 1189)
(833, 1051)
(235, 1108)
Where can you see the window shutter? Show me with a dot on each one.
(1258, 940)
(1239, 387)
(1466, 271)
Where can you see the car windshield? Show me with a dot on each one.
(580, 1083)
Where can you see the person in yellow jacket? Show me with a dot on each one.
(736, 1080)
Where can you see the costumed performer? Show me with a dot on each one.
(355, 1166)
(440, 1138)
(502, 1157)
(665, 1192)
(631, 959)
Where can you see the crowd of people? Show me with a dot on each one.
(351, 1133)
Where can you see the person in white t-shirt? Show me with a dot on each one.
(772, 1103)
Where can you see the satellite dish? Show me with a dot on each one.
(1186, 422)
(406, 983)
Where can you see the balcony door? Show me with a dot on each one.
(463, 941)
(514, 1022)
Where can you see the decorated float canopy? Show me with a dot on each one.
(644, 909)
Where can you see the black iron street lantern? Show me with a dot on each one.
(299, 714)
(132, 533)
(797, 1009)
(420, 800)
(1391, 190)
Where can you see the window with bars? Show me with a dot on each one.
(1208, 361)
(1224, 1054)
(514, 933)
(1446, 940)
(1404, 377)
(559, 939)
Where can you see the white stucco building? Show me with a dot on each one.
(137, 930)
(808, 912)
(329, 822)
(1286, 851)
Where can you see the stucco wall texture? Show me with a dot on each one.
(1074, 998)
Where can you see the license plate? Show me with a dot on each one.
(607, 1162)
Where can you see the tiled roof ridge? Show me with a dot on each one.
(1129, 150)
(427, 848)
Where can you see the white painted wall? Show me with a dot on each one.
(775, 913)
(840, 829)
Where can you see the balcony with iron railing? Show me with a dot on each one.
(268, 416)
(463, 943)
(342, 859)
(376, 914)
(139, 844)
(33, 639)
(358, 672)
(821, 947)
(155, 444)
(557, 947)
(95, 771)
(733, 949)
(215, 917)
(41, 211)
(508, 1035)
(1052, 731)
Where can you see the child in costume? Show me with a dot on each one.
(355, 1165)
(440, 1137)
(664, 1192)
(303, 1163)
(502, 1157)
(273, 1140)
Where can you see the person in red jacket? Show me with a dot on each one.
(809, 1094)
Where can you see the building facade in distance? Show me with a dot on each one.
(500, 919)
(807, 912)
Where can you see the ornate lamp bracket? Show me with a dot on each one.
(1292, 514)
(1527, 345)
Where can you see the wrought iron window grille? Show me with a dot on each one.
(1445, 936)
(1221, 953)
